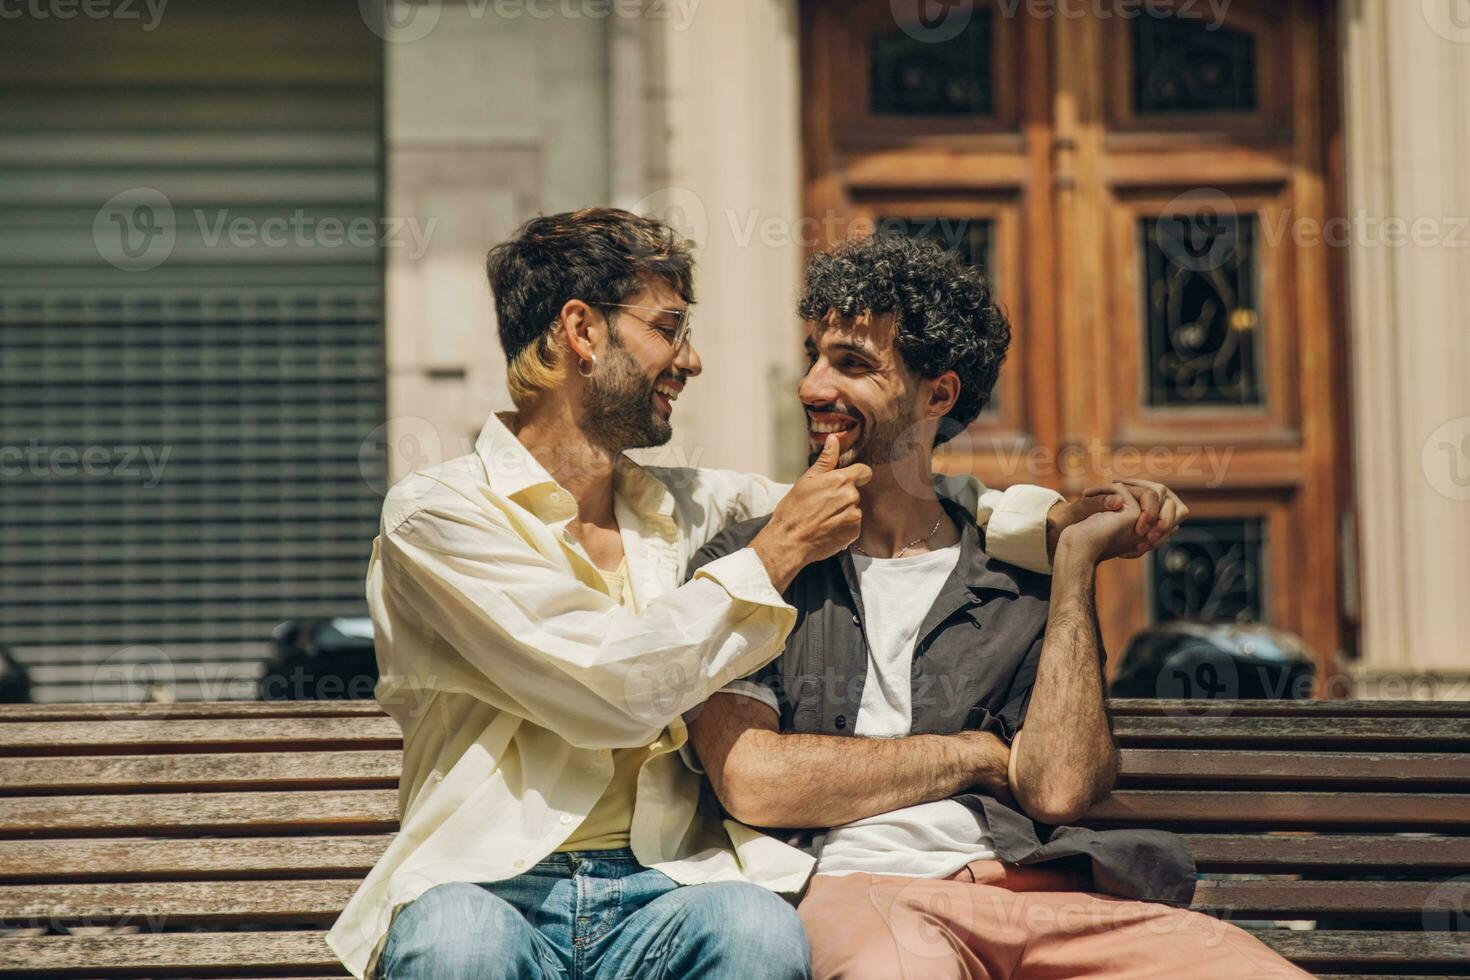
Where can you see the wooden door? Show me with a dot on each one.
(1144, 190)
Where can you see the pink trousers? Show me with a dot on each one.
(993, 921)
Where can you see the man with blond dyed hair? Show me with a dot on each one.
(538, 651)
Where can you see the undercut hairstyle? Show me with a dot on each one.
(601, 256)
(946, 313)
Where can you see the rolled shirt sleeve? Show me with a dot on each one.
(1015, 524)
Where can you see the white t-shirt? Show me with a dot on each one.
(929, 840)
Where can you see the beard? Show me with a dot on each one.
(619, 412)
(884, 439)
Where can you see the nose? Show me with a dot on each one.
(687, 360)
(816, 386)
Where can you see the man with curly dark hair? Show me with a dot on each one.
(938, 715)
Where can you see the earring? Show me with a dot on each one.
(582, 365)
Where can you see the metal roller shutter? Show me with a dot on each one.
(191, 373)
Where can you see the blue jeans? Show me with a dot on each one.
(595, 914)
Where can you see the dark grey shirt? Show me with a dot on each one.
(974, 666)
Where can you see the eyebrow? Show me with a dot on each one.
(856, 347)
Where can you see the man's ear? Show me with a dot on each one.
(581, 328)
(944, 391)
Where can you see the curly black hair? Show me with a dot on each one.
(947, 315)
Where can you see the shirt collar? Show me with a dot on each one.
(508, 463)
(976, 568)
(514, 472)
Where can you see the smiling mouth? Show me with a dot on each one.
(845, 427)
(665, 393)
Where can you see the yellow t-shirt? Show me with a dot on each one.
(611, 819)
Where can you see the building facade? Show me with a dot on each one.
(1230, 235)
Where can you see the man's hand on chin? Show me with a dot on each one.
(1160, 514)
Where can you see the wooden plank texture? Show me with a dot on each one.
(1334, 948)
(1291, 709)
(123, 859)
(153, 906)
(377, 768)
(166, 954)
(1226, 810)
(1296, 734)
(182, 710)
(1343, 853)
(359, 811)
(1370, 901)
(195, 735)
(1302, 770)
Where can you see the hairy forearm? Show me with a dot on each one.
(1066, 758)
(772, 779)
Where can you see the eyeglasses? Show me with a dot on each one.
(681, 317)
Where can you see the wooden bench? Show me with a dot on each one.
(228, 836)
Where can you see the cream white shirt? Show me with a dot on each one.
(928, 840)
(513, 673)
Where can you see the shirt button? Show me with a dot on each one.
(605, 753)
(840, 721)
(520, 864)
(566, 818)
(855, 620)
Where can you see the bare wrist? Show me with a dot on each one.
(1074, 551)
(776, 555)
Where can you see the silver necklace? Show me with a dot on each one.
(932, 531)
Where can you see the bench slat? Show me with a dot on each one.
(122, 859)
(179, 953)
(318, 901)
(1314, 899)
(153, 905)
(1121, 707)
(1377, 811)
(377, 768)
(87, 711)
(1302, 770)
(1344, 853)
(164, 953)
(1141, 767)
(1295, 709)
(142, 814)
(190, 735)
(1331, 947)
(1293, 734)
